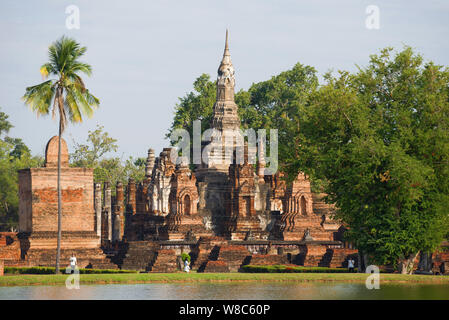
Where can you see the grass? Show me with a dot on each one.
(193, 277)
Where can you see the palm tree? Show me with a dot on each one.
(66, 95)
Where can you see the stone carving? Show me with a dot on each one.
(307, 236)
(159, 189)
(190, 236)
(249, 235)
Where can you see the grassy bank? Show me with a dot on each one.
(28, 280)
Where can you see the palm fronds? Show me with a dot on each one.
(66, 94)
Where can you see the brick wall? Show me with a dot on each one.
(38, 208)
(9, 246)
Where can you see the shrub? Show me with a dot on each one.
(290, 269)
(29, 270)
(51, 270)
(185, 256)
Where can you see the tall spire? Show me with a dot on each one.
(225, 120)
(226, 43)
(225, 109)
(226, 69)
(226, 50)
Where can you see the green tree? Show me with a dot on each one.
(98, 144)
(196, 105)
(92, 155)
(278, 103)
(14, 155)
(114, 170)
(380, 140)
(5, 125)
(19, 147)
(9, 191)
(65, 95)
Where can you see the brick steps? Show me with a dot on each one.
(234, 256)
(90, 258)
(137, 255)
(206, 250)
(165, 262)
(267, 259)
(337, 258)
(215, 266)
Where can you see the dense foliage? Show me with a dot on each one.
(185, 256)
(14, 155)
(93, 154)
(51, 270)
(380, 138)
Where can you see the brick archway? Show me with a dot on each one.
(187, 204)
(303, 206)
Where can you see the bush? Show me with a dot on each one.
(29, 270)
(290, 269)
(185, 256)
(51, 270)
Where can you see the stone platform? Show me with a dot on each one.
(217, 254)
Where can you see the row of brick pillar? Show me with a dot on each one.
(109, 217)
(110, 212)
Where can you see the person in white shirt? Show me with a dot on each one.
(73, 262)
(186, 266)
(351, 265)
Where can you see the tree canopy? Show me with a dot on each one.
(380, 139)
(14, 155)
(95, 154)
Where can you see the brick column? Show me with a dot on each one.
(97, 206)
(131, 201)
(1, 267)
(120, 210)
(261, 160)
(108, 210)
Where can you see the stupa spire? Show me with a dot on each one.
(226, 50)
(226, 69)
(225, 109)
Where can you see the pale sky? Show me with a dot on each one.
(146, 54)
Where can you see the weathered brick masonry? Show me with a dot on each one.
(38, 213)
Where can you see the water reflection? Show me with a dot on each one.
(226, 291)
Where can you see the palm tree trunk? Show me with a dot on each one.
(58, 249)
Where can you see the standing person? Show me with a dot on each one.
(351, 265)
(186, 265)
(73, 262)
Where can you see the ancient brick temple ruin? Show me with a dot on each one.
(225, 214)
(35, 243)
